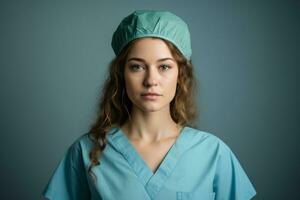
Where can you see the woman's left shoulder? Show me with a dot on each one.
(205, 139)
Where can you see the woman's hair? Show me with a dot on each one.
(114, 106)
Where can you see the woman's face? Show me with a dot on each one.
(150, 67)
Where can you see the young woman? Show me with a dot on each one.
(145, 144)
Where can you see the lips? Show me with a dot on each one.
(150, 94)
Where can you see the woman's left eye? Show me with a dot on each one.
(165, 67)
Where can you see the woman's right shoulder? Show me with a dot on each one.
(82, 142)
(85, 142)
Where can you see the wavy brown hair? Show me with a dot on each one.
(114, 106)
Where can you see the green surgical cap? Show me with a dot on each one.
(151, 23)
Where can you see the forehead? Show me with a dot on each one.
(149, 48)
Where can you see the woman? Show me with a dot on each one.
(143, 144)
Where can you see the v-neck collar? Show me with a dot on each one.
(153, 182)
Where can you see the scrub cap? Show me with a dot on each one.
(151, 23)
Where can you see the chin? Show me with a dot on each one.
(154, 107)
(151, 108)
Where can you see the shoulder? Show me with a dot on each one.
(84, 143)
(205, 140)
(79, 147)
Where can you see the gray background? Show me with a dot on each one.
(54, 56)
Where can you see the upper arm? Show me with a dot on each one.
(231, 181)
(69, 180)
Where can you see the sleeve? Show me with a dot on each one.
(69, 180)
(231, 181)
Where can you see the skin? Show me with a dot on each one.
(151, 129)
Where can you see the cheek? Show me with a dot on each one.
(172, 79)
(131, 85)
(170, 85)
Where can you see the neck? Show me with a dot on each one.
(150, 126)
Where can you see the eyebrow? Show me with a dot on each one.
(142, 60)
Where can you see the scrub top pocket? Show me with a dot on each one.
(195, 196)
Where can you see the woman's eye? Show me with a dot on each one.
(135, 67)
(165, 67)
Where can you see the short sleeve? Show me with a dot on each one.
(231, 181)
(69, 180)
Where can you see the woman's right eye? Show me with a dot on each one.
(135, 67)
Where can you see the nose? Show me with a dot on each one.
(150, 77)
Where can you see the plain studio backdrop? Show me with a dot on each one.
(54, 58)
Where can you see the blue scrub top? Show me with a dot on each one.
(198, 166)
